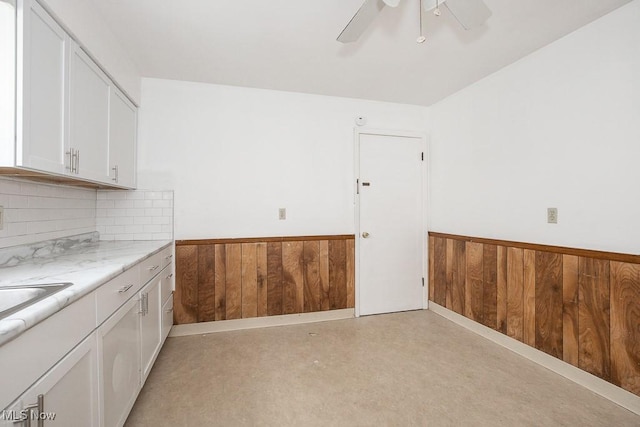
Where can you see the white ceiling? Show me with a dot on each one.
(291, 45)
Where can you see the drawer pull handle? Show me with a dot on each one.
(169, 276)
(169, 256)
(39, 407)
(124, 289)
(153, 268)
(169, 310)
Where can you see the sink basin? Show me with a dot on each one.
(15, 298)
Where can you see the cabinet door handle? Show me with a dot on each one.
(115, 170)
(153, 268)
(144, 304)
(39, 406)
(77, 161)
(124, 289)
(169, 276)
(70, 154)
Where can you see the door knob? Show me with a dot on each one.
(365, 234)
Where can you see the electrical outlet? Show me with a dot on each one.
(1, 217)
(552, 215)
(282, 213)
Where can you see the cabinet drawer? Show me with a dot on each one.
(167, 283)
(150, 267)
(167, 256)
(167, 317)
(113, 294)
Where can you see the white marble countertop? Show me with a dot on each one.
(87, 263)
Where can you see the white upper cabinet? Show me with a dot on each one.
(70, 118)
(42, 87)
(122, 140)
(89, 117)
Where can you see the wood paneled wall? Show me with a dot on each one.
(239, 278)
(577, 305)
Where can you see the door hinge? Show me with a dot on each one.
(422, 156)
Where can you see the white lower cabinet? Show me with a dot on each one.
(130, 340)
(67, 395)
(167, 318)
(119, 340)
(96, 383)
(150, 325)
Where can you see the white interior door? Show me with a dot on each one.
(391, 225)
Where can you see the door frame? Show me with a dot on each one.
(424, 196)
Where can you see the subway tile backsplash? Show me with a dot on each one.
(134, 215)
(34, 211)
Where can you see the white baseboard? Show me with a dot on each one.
(259, 322)
(599, 386)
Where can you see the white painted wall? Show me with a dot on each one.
(81, 18)
(235, 155)
(559, 128)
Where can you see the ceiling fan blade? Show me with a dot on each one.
(469, 13)
(361, 20)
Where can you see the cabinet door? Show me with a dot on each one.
(151, 325)
(89, 117)
(122, 139)
(167, 317)
(42, 82)
(67, 393)
(119, 340)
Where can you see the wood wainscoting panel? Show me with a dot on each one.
(473, 286)
(570, 309)
(221, 282)
(249, 280)
(501, 290)
(490, 286)
(625, 326)
(274, 278)
(529, 297)
(440, 271)
(515, 293)
(351, 273)
(185, 297)
(578, 305)
(337, 274)
(311, 264)
(456, 272)
(431, 252)
(548, 330)
(261, 277)
(233, 282)
(594, 320)
(242, 278)
(324, 275)
(206, 284)
(292, 277)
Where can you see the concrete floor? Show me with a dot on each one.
(413, 368)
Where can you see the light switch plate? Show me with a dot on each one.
(552, 215)
(282, 213)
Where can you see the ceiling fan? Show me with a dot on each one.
(469, 13)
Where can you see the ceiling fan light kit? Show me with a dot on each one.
(469, 13)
